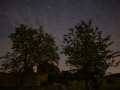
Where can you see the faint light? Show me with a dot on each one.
(35, 68)
(78, 4)
(49, 7)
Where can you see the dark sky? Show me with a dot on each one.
(57, 16)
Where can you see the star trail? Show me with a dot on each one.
(56, 17)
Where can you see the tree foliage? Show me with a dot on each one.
(30, 47)
(87, 51)
(47, 68)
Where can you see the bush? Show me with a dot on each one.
(110, 81)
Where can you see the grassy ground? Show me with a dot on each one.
(11, 79)
(108, 83)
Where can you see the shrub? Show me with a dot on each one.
(110, 81)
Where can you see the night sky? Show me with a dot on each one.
(56, 17)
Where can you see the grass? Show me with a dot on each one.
(10, 79)
(114, 84)
(108, 83)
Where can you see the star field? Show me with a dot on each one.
(57, 16)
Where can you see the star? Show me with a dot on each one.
(49, 7)
(78, 4)
(56, 17)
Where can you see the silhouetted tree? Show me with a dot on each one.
(53, 73)
(66, 75)
(46, 68)
(88, 52)
(30, 47)
(53, 69)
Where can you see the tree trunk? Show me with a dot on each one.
(20, 85)
(86, 83)
(23, 74)
(95, 83)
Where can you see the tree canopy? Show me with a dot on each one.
(87, 51)
(30, 47)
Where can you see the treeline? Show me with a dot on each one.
(114, 75)
(88, 54)
(64, 77)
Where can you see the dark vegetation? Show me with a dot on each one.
(37, 81)
(88, 55)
